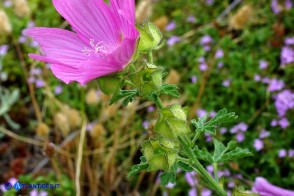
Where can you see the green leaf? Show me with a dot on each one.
(223, 153)
(184, 166)
(128, 96)
(222, 116)
(203, 155)
(170, 89)
(138, 168)
(236, 154)
(169, 176)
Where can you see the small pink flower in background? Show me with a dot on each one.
(264, 188)
(103, 43)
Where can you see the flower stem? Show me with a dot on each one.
(158, 102)
(215, 172)
(150, 57)
(200, 169)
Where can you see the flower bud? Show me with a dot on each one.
(147, 81)
(150, 37)
(160, 154)
(61, 122)
(172, 122)
(109, 84)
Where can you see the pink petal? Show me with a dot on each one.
(59, 46)
(126, 8)
(91, 19)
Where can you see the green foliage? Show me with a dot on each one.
(127, 95)
(169, 89)
(222, 116)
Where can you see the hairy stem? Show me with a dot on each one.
(150, 57)
(215, 172)
(200, 169)
(158, 102)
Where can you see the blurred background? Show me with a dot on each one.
(229, 54)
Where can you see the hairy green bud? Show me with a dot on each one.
(109, 84)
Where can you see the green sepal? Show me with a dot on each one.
(109, 84)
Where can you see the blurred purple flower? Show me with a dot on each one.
(219, 54)
(191, 178)
(201, 60)
(208, 137)
(193, 192)
(194, 79)
(209, 168)
(258, 144)
(284, 101)
(282, 153)
(220, 64)
(22, 39)
(287, 55)
(275, 7)
(264, 188)
(209, 2)
(173, 40)
(263, 64)
(231, 184)
(36, 71)
(58, 90)
(206, 39)
(39, 83)
(7, 3)
(289, 41)
(3, 50)
(145, 124)
(34, 44)
(288, 4)
(206, 48)
(223, 130)
(266, 80)
(284, 123)
(171, 26)
(241, 127)
(275, 85)
(191, 19)
(240, 137)
(291, 153)
(257, 77)
(226, 83)
(274, 123)
(206, 192)
(201, 112)
(212, 114)
(31, 80)
(264, 133)
(203, 67)
(151, 109)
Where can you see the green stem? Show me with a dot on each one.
(196, 137)
(204, 174)
(215, 172)
(158, 102)
(150, 57)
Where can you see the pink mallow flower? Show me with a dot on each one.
(264, 188)
(103, 43)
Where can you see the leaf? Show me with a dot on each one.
(139, 167)
(210, 126)
(222, 153)
(184, 166)
(236, 154)
(129, 96)
(203, 155)
(170, 89)
(167, 177)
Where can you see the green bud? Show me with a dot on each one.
(172, 122)
(147, 81)
(150, 36)
(160, 153)
(109, 84)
